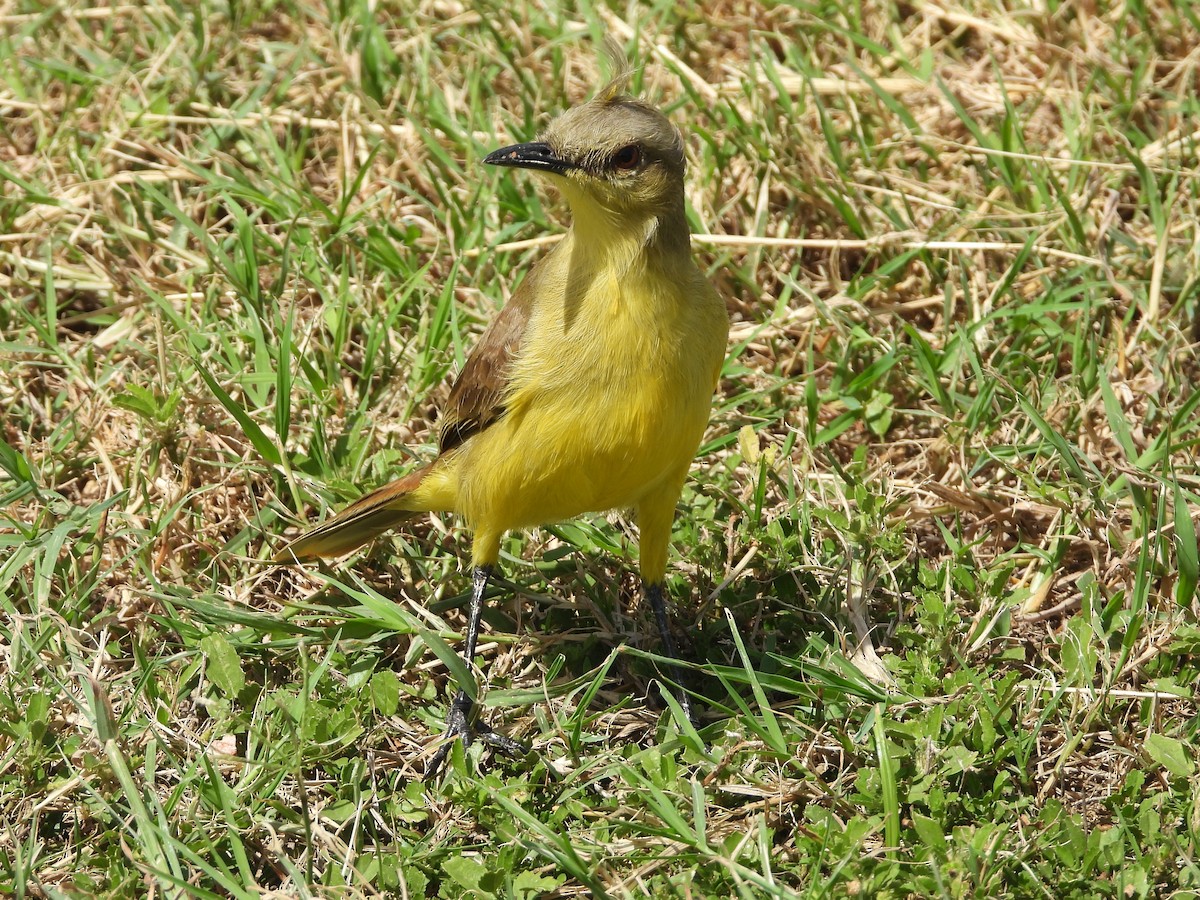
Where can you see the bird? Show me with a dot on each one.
(591, 388)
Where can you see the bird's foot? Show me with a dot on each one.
(458, 725)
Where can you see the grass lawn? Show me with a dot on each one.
(936, 566)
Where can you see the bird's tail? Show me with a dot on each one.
(366, 518)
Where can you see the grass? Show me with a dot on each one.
(937, 562)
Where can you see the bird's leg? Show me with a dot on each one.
(458, 720)
(654, 593)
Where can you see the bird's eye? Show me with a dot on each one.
(627, 157)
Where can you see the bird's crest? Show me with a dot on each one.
(622, 72)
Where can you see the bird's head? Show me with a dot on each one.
(613, 155)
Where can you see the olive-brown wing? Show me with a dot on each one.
(479, 393)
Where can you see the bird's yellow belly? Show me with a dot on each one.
(561, 457)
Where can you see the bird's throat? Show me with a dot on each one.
(626, 244)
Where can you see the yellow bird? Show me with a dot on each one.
(591, 389)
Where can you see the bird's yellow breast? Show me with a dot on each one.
(609, 395)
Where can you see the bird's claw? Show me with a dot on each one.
(458, 725)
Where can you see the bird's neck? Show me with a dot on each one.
(654, 241)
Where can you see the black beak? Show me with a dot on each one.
(536, 155)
